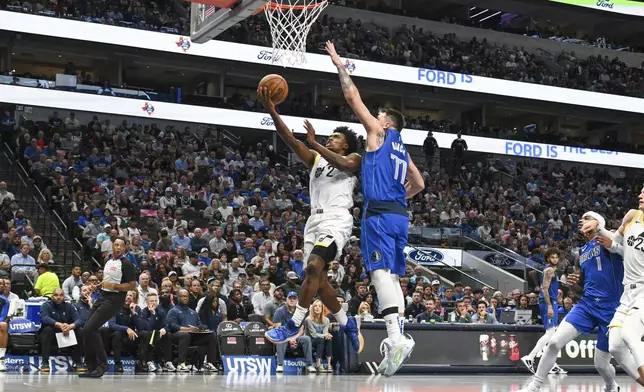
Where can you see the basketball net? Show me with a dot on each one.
(290, 22)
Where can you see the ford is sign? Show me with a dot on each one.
(433, 256)
(500, 260)
(427, 256)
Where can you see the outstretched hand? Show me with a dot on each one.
(330, 49)
(265, 97)
(310, 133)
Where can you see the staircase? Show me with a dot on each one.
(44, 222)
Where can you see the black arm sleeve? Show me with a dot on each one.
(129, 272)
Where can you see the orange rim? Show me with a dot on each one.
(277, 6)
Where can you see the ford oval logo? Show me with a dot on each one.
(499, 260)
(425, 256)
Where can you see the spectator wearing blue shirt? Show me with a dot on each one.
(58, 316)
(249, 250)
(297, 263)
(256, 221)
(7, 126)
(565, 309)
(184, 323)
(282, 315)
(123, 329)
(181, 240)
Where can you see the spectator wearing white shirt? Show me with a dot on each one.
(260, 298)
(4, 193)
(73, 281)
(144, 289)
(218, 243)
(193, 267)
(484, 231)
(72, 122)
(225, 210)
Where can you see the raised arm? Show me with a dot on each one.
(375, 132)
(415, 182)
(306, 156)
(349, 163)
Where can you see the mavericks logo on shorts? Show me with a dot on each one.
(376, 256)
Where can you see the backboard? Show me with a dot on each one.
(208, 21)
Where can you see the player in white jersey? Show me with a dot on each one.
(328, 228)
(627, 327)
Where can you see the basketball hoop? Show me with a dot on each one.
(290, 22)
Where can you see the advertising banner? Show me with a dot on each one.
(170, 43)
(242, 364)
(434, 256)
(58, 364)
(235, 118)
(505, 260)
(460, 346)
(627, 7)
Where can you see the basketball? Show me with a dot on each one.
(277, 87)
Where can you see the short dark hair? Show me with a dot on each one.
(458, 284)
(350, 136)
(396, 118)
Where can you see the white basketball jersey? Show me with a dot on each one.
(329, 187)
(634, 250)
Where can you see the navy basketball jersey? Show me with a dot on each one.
(553, 290)
(602, 272)
(384, 171)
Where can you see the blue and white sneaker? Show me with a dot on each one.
(352, 329)
(283, 333)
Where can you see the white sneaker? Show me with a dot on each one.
(152, 367)
(557, 370)
(279, 369)
(209, 367)
(182, 367)
(615, 388)
(310, 369)
(382, 367)
(169, 367)
(529, 363)
(398, 352)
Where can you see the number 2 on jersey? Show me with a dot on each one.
(400, 171)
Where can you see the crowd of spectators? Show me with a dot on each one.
(410, 46)
(208, 224)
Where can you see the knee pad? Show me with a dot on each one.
(326, 250)
(387, 298)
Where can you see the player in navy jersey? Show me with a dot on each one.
(389, 178)
(547, 303)
(600, 273)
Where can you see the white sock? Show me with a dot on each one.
(541, 343)
(392, 321)
(401, 321)
(341, 317)
(2, 352)
(298, 316)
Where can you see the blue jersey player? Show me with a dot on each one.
(547, 303)
(389, 178)
(601, 274)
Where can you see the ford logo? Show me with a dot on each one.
(425, 256)
(499, 260)
(268, 121)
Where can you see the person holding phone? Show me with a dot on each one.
(547, 307)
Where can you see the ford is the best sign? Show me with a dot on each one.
(434, 257)
(426, 256)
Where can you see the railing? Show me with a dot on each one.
(463, 276)
(47, 223)
(472, 244)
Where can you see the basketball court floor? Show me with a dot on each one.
(306, 383)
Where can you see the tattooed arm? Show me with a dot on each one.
(375, 132)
